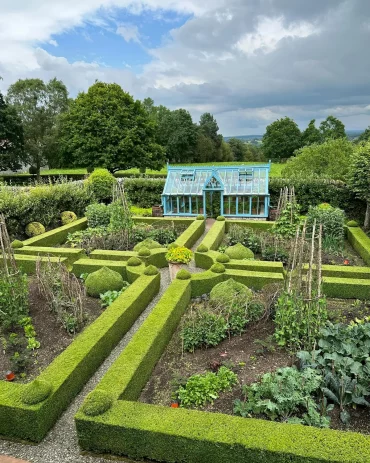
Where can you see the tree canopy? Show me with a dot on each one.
(364, 137)
(281, 139)
(106, 127)
(39, 105)
(311, 135)
(331, 160)
(332, 128)
(11, 138)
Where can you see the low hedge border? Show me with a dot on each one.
(69, 253)
(128, 273)
(341, 271)
(159, 433)
(215, 235)
(58, 235)
(360, 242)
(192, 234)
(263, 225)
(74, 366)
(346, 288)
(28, 263)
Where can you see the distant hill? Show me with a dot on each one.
(351, 134)
(246, 137)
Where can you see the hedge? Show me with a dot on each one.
(263, 225)
(70, 254)
(159, 433)
(56, 236)
(192, 234)
(215, 235)
(346, 288)
(91, 265)
(144, 192)
(69, 372)
(163, 221)
(102, 254)
(360, 242)
(341, 271)
(28, 263)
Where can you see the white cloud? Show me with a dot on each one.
(130, 32)
(53, 42)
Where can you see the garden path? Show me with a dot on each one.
(61, 444)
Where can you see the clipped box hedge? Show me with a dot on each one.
(215, 235)
(27, 263)
(346, 288)
(263, 225)
(192, 234)
(341, 271)
(69, 372)
(70, 254)
(159, 433)
(360, 242)
(58, 235)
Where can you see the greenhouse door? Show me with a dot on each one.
(212, 201)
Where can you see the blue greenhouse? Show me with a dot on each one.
(232, 191)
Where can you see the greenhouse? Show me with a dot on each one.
(232, 191)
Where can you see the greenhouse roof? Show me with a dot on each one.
(232, 180)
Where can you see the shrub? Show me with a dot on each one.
(151, 270)
(183, 274)
(200, 217)
(103, 280)
(352, 223)
(331, 218)
(147, 243)
(13, 298)
(203, 329)
(67, 217)
(239, 252)
(217, 268)
(144, 252)
(98, 215)
(275, 254)
(244, 235)
(221, 218)
(202, 248)
(36, 392)
(100, 184)
(231, 290)
(16, 244)
(223, 258)
(97, 402)
(144, 192)
(34, 229)
(134, 262)
(172, 246)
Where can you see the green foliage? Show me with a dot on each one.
(100, 185)
(17, 244)
(221, 218)
(201, 389)
(12, 154)
(134, 262)
(151, 270)
(144, 252)
(298, 321)
(275, 253)
(39, 106)
(311, 135)
(239, 252)
(36, 392)
(244, 235)
(281, 139)
(287, 395)
(109, 297)
(230, 291)
(34, 229)
(96, 403)
(68, 217)
(204, 328)
(106, 127)
(13, 299)
(147, 243)
(202, 248)
(352, 223)
(103, 280)
(289, 220)
(330, 159)
(144, 192)
(218, 268)
(183, 275)
(141, 211)
(223, 258)
(332, 128)
(331, 218)
(98, 215)
(180, 254)
(200, 217)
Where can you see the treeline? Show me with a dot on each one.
(104, 127)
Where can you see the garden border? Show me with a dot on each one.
(139, 430)
(360, 242)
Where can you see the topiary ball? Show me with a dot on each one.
(100, 184)
(231, 291)
(173, 246)
(200, 217)
(183, 275)
(36, 392)
(34, 229)
(221, 218)
(151, 270)
(239, 252)
(202, 248)
(218, 268)
(68, 217)
(16, 244)
(103, 280)
(148, 243)
(97, 403)
(134, 262)
(352, 223)
(223, 258)
(144, 252)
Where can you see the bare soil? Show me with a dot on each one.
(50, 333)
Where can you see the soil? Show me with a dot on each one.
(249, 359)
(50, 333)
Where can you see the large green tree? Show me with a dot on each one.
(106, 127)
(11, 138)
(237, 147)
(311, 135)
(39, 106)
(281, 139)
(330, 159)
(359, 177)
(332, 128)
(364, 137)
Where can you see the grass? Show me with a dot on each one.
(275, 169)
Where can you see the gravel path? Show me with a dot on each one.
(61, 445)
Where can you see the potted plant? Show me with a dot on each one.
(176, 256)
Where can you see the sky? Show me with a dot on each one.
(249, 62)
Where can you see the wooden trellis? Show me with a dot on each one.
(8, 263)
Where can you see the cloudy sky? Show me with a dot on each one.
(247, 61)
